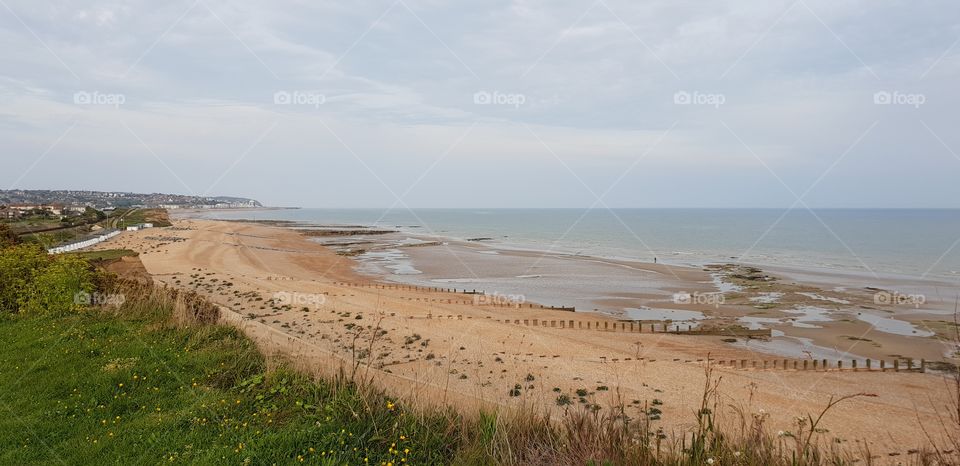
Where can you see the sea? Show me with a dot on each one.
(916, 243)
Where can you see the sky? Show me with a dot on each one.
(426, 103)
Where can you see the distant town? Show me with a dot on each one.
(15, 204)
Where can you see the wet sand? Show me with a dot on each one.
(278, 278)
(811, 312)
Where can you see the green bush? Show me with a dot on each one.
(33, 281)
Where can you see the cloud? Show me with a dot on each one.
(399, 81)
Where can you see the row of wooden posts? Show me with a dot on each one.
(618, 326)
(504, 303)
(822, 364)
(407, 287)
(637, 327)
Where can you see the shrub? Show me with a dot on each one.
(33, 281)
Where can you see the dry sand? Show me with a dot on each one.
(417, 345)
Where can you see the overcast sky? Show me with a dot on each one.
(428, 103)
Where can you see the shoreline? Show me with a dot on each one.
(857, 328)
(691, 258)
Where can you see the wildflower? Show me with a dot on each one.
(709, 460)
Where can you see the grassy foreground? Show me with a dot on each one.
(95, 388)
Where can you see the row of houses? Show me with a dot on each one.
(15, 211)
(82, 244)
(139, 226)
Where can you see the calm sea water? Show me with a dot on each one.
(915, 242)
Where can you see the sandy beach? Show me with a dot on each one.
(316, 306)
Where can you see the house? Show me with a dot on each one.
(7, 213)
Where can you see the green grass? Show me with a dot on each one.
(105, 255)
(137, 216)
(95, 388)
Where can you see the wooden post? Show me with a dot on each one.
(764, 363)
(868, 364)
(606, 325)
(743, 363)
(923, 365)
(883, 365)
(839, 365)
(854, 364)
(825, 365)
(805, 364)
(896, 365)
(794, 364)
